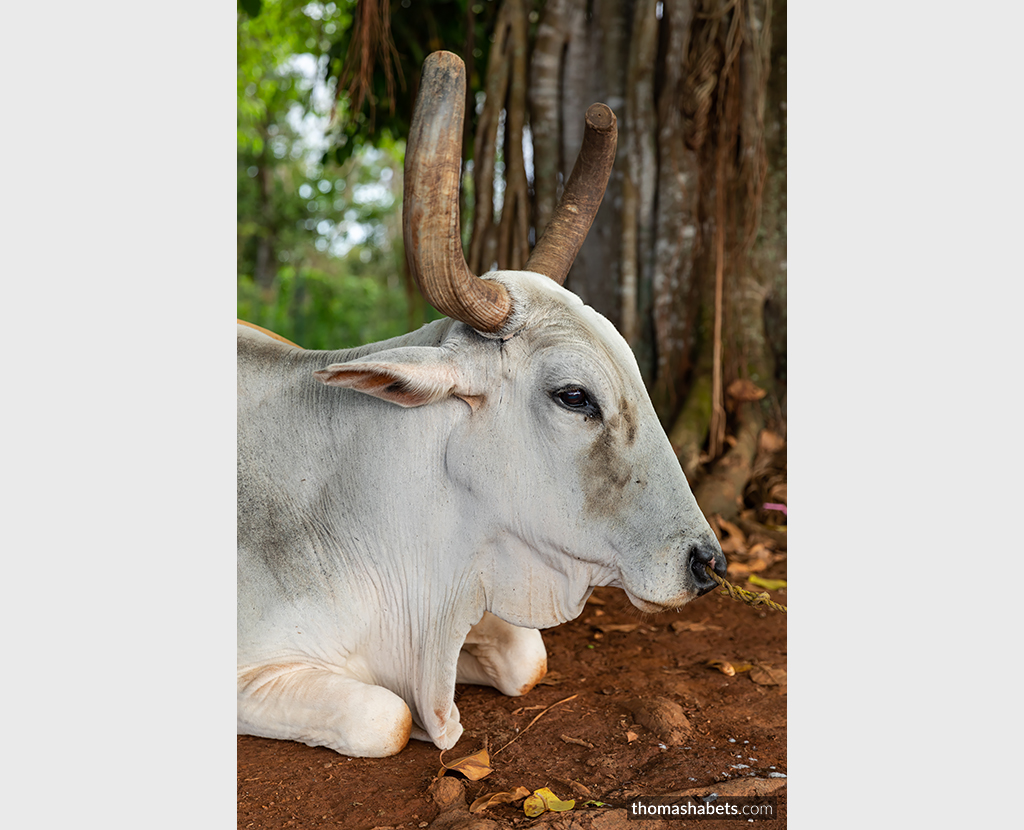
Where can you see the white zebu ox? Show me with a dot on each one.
(411, 512)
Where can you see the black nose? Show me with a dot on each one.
(702, 555)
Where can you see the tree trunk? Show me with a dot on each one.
(677, 257)
(483, 246)
(687, 254)
(638, 181)
(513, 230)
(721, 491)
(544, 95)
(266, 240)
(677, 227)
(596, 57)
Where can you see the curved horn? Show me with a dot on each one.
(430, 216)
(557, 248)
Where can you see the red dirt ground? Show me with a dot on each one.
(735, 721)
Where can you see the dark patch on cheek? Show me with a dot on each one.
(606, 474)
(628, 421)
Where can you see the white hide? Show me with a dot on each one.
(414, 511)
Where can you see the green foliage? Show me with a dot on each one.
(320, 259)
(323, 311)
(417, 29)
(316, 257)
(251, 7)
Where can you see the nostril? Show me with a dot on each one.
(701, 556)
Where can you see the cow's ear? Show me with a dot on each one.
(411, 376)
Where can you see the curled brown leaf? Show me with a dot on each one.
(765, 675)
(474, 767)
(491, 799)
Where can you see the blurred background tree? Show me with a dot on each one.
(319, 232)
(686, 257)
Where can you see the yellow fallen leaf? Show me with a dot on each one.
(534, 806)
(724, 666)
(543, 799)
(474, 767)
(767, 584)
(557, 806)
(489, 800)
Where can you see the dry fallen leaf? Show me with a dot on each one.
(765, 675)
(730, 528)
(578, 741)
(760, 553)
(769, 441)
(474, 767)
(732, 539)
(522, 709)
(575, 786)
(679, 626)
(662, 716)
(631, 736)
(489, 800)
(608, 629)
(739, 570)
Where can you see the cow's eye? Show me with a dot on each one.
(574, 397)
(578, 399)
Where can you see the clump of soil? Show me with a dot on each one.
(649, 717)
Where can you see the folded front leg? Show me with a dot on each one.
(321, 708)
(506, 656)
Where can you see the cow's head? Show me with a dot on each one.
(558, 450)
